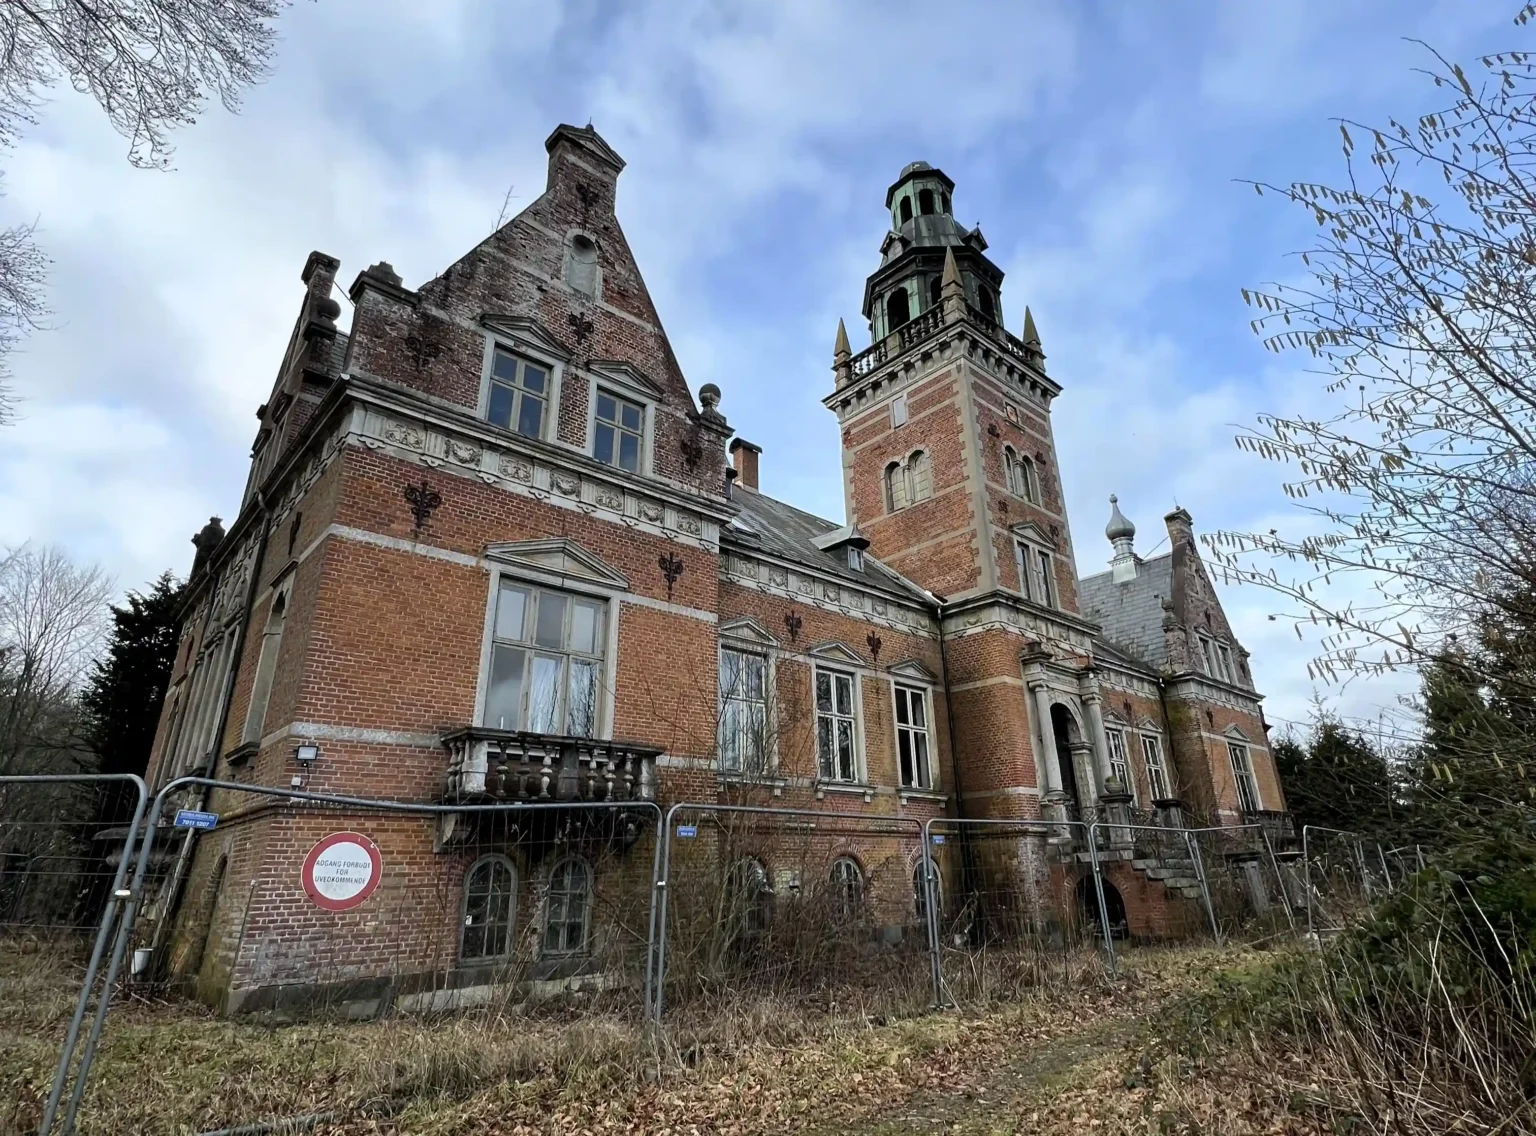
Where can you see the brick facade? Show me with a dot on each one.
(352, 604)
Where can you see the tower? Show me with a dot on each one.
(949, 469)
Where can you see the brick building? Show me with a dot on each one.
(493, 548)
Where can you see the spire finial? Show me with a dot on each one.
(840, 349)
(951, 267)
(1121, 534)
(1031, 336)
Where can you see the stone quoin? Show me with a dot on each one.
(492, 547)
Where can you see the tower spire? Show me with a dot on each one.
(841, 356)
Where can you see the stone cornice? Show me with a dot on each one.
(787, 579)
(1192, 686)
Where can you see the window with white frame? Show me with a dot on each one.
(1037, 574)
(836, 726)
(743, 712)
(567, 907)
(547, 651)
(1157, 772)
(618, 431)
(912, 737)
(847, 880)
(1242, 773)
(1119, 761)
(519, 394)
(490, 904)
(1224, 659)
(1217, 658)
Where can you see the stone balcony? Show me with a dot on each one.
(486, 765)
(925, 326)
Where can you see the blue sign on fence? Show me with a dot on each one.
(191, 818)
(687, 830)
(938, 838)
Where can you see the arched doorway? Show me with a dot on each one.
(1114, 907)
(1067, 736)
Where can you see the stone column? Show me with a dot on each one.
(1046, 771)
(1093, 705)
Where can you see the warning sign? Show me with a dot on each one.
(342, 870)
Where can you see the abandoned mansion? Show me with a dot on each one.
(493, 549)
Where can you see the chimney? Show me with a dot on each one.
(744, 458)
(1181, 527)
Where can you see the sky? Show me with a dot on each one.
(1102, 146)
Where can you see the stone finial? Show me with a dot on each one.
(952, 289)
(842, 357)
(1032, 338)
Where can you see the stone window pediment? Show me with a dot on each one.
(557, 556)
(748, 630)
(527, 332)
(626, 377)
(913, 671)
(834, 652)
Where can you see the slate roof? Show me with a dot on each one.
(782, 530)
(1131, 613)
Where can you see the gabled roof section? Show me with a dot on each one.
(1131, 612)
(781, 530)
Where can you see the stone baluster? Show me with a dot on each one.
(546, 775)
(608, 777)
(629, 777)
(501, 769)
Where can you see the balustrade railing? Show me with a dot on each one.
(518, 766)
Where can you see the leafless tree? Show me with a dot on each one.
(53, 616)
(151, 65)
(1418, 305)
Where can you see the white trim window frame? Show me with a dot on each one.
(612, 423)
(548, 659)
(1037, 573)
(914, 740)
(745, 682)
(508, 387)
(839, 748)
(266, 663)
(1241, 756)
(1157, 771)
(1119, 760)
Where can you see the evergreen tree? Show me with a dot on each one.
(1336, 779)
(123, 697)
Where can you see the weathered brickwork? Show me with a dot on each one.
(400, 481)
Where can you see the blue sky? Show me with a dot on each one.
(1098, 144)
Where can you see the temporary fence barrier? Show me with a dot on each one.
(1339, 876)
(1009, 905)
(326, 951)
(62, 878)
(775, 899)
(486, 903)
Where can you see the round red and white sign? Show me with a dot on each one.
(342, 871)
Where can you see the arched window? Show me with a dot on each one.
(935, 290)
(581, 265)
(920, 893)
(490, 903)
(896, 488)
(925, 201)
(1020, 473)
(266, 671)
(987, 304)
(748, 900)
(919, 477)
(944, 200)
(906, 210)
(847, 880)
(568, 907)
(897, 309)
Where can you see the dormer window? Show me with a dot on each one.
(519, 394)
(855, 558)
(618, 431)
